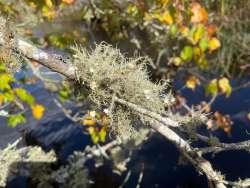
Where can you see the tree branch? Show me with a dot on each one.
(160, 124)
(226, 147)
(204, 166)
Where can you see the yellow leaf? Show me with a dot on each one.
(192, 82)
(214, 44)
(184, 31)
(177, 61)
(89, 122)
(167, 18)
(37, 111)
(91, 130)
(224, 86)
(49, 3)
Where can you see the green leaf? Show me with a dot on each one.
(204, 44)
(25, 96)
(102, 134)
(5, 80)
(212, 88)
(13, 120)
(187, 53)
(95, 138)
(2, 67)
(198, 34)
(202, 63)
(9, 95)
(63, 95)
(173, 30)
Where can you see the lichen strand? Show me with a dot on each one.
(10, 58)
(107, 72)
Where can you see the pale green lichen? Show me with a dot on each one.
(74, 173)
(8, 56)
(107, 73)
(11, 158)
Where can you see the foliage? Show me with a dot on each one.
(47, 8)
(16, 97)
(216, 85)
(183, 27)
(12, 95)
(184, 30)
(97, 125)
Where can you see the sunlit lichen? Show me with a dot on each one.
(108, 73)
(12, 158)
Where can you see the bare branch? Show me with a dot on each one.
(226, 147)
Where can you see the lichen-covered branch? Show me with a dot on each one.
(50, 59)
(164, 120)
(245, 145)
(11, 156)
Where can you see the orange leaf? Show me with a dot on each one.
(211, 30)
(199, 14)
(223, 122)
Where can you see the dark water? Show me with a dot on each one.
(234, 164)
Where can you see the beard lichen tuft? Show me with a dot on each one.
(9, 56)
(108, 73)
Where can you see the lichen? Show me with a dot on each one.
(73, 174)
(8, 55)
(108, 73)
(11, 158)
